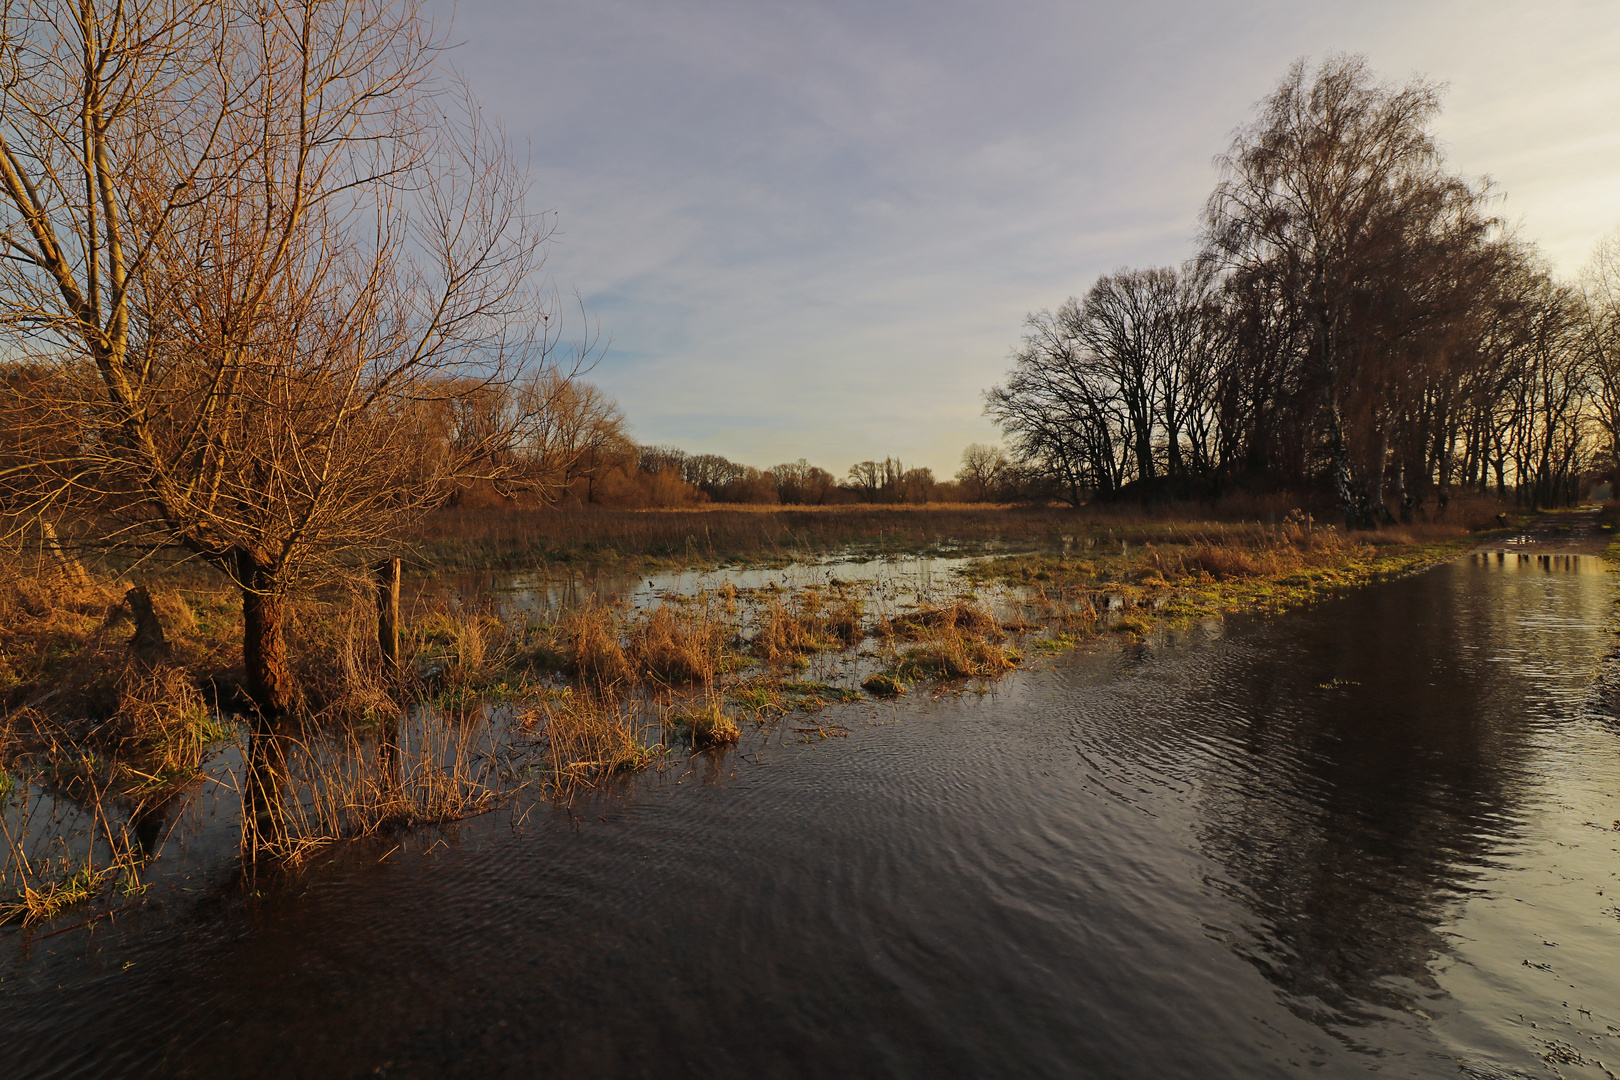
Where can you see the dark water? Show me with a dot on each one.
(1378, 836)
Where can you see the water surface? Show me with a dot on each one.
(1376, 836)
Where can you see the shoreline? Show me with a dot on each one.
(605, 689)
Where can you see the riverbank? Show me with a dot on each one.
(558, 701)
(593, 538)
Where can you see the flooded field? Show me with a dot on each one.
(1380, 835)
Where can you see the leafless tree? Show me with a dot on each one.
(982, 472)
(1601, 286)
(1357, 316)
(275, 267)
(257, 246)
(1335, 186)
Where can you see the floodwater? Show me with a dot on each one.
(889, 582)
(1377, 836)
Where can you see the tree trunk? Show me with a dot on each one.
(269, 686)
(1377, 510)
(264, 638)
(149, 644)
(1344, 483)
(71, 569)
(1355, 515)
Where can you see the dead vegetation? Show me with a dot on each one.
(587, 736)
(104, 740)
(512, 537)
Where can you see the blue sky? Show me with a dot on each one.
(813, 229)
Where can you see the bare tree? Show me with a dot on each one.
(576, 433)
(866, 477)
(1601, 286)
(981, 473)
(256, 244)
(1061, 409)
(1356, 317)
(1334, 185)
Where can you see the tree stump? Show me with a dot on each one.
(149, 644)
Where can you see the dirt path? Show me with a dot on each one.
(1576, 532)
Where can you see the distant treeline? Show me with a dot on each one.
(576, 450)
(619, 473)
(1355, 321)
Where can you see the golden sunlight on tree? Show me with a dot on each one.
(270, 284)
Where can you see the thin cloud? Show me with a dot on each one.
(813, 229)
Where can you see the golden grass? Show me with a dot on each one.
(48, 900)
(376, 754)
(587, 737)
(595, 656)
(162, 727)
(674, 652)
(706, 723)
(963, 616)
(513, 537)
(435, 769)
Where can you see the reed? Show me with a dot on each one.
(586, 737)
(595, 656)
(673, 651)
(433, 769)
(496, 537)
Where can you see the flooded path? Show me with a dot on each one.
(1381, 835)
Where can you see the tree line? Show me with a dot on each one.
(1355, 319)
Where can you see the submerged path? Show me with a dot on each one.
(1578, 532)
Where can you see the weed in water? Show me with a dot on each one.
(882, 684)
(595, 656)
(676, 652)
(706, 724)
(587, 736)
(36, 905)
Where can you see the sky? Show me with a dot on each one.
(814, 229)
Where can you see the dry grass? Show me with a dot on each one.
(784, 635)
(959, 640)
(671, 651)
(520, 537)
(807, 622)
(963, 615)
(587, 737)
(162, 728)
(436, 769)
(705, 722)
(510, 537)
(595, 656)
(46, 901)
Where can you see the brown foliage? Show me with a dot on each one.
(960, 616)
(675, 652)
(594, 653)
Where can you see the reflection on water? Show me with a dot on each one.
(892, 581)
(1379, 835)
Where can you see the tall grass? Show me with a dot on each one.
(93, 743)
(587, 736)
(512, 537)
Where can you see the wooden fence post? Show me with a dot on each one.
(387, 571)
(388, 615)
